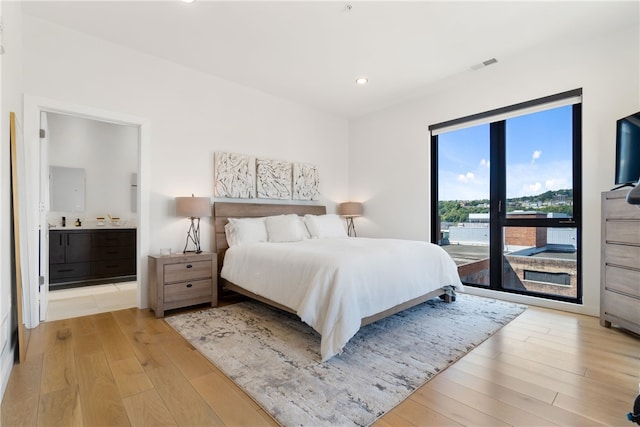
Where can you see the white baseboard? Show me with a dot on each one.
(6, 365)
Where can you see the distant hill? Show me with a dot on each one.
(559, 201)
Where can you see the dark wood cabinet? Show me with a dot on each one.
(69, 255)
(91, 255)
(113, 253)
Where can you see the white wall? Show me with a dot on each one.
(389, 150)
(192, 115)
(109, 155)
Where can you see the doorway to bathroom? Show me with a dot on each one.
(36, 289)
(90, 169)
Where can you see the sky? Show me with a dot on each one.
(538, 154)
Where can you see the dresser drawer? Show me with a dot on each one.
(183, 291)
(187, 271)
(622, 306)
(622, 280)
(623, 232)
(616, 207)
(623, 255)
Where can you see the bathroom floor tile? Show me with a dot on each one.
(86, 300)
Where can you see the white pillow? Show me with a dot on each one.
(231, 234)
(325, 226)
(246, 230)
(284, 228)
(303, 228)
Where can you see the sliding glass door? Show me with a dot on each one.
(508, 200)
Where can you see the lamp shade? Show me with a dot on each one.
(350, 209)
(193, 207)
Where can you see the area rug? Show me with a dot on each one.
(275, 358)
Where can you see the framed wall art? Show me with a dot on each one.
(234, 175)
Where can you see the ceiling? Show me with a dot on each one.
(312, 52)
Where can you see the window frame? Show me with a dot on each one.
(497, 186)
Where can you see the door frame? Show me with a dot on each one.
(33, 106)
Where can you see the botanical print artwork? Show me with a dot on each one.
(234, 175)
(273, 179)
(306, 182)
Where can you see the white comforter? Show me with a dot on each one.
(332, 284)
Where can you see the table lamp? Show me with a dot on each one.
(193, 208)
(349, 210)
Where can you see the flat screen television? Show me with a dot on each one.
(628, 150)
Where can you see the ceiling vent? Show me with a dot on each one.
(484, 64)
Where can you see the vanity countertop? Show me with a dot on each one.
(93, 224)
(93, 227)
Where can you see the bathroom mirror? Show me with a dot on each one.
(67, 189)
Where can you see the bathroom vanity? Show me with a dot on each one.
(91, 256)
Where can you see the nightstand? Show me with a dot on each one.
(181, 280)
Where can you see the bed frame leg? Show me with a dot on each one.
(449, 296)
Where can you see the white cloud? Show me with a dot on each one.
(558, 183)
(535, 188)
(523, 180)
(466, 178)
(536, 155)
(454, 186)
(484, 163)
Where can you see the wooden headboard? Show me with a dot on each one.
(222, 211)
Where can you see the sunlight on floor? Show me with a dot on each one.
(76, 302)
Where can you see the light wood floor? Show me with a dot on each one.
(127, 368)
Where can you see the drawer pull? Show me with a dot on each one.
(189, 285)
(189, 265)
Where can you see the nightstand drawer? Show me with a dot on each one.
(187, 271)
(187, 291)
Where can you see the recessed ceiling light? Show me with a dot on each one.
(362, 80)
(188, 1)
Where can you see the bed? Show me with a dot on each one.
(336, 285)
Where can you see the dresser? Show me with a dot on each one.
(620, 270)
(181, 280)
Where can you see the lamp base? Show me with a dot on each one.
(351, 229)
(193, 235)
